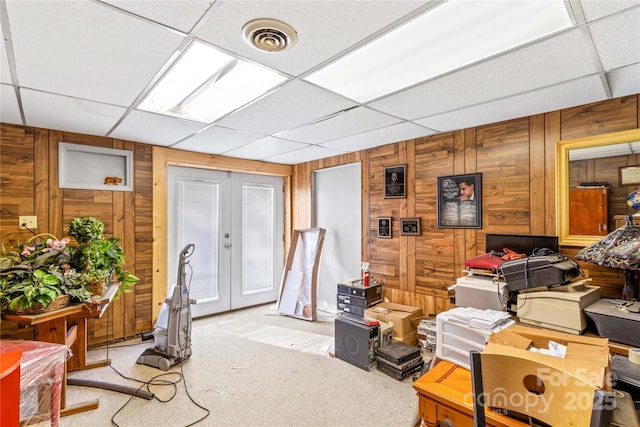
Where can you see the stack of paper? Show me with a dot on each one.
(486, 319)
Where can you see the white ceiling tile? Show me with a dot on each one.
(9, 109)
(52, 111)
(624, 81)
(594, 9)
(387, 135)
(217, 140)
(552, 61)
(324, 28)
(265, 148)
(351, 122)
(296, 103)
(310, 153)
(5, 73)
(154, 129)
(578, 92)
(617, 39)
(180, 15)
(86, 50)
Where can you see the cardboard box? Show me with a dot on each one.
(586, 357)
(404, 319)
(552, 389)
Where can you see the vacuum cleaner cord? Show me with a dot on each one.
(159, 380)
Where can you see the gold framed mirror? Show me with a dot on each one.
(563, 154)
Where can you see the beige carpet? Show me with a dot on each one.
(250, 367)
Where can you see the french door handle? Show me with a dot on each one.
(227, 245)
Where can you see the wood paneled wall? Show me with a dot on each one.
(29, 186)
(517, 161)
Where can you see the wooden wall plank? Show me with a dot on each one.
(41, 176)
(537, 175)
(56, 195)
(600, 117)
(519, 191)
(551, 137)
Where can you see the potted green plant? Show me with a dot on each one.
(35, 276)
(45, 273)
(98, 259)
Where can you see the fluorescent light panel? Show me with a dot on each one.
(447, 37)
(205, 84)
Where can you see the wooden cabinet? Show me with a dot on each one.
(445, 399)
(588, 211)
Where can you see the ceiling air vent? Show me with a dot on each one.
(269, 35)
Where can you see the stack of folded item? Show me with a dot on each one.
(399, 360)
(484, 319)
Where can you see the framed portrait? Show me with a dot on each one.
(629, 175)
(460, 201)
(384, 227)
(410, 227)
(395, 182)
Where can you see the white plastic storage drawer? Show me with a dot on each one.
(455, 340)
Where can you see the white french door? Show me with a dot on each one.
(236, 222)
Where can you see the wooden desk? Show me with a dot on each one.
(444, 395)
(68, 326)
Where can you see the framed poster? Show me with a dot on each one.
(629, 175)
(384, 227)
(460, 201)
(395, 182)
(410, 227)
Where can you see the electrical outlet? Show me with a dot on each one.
(30, 222)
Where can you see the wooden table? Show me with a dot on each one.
(445, 399)
(68, 326)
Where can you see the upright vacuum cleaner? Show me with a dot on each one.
(172, 331)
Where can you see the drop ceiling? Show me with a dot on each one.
(84, 66)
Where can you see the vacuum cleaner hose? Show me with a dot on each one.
(138, 392)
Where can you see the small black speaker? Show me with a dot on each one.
(357, 342)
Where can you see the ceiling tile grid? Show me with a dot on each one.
(617, 39)
(564, 95)
(87, 50)
(624, 81)
(324, 28)
(377, 137)
(84, 65)
(154, 129)
(50, 111)
(265, 148)
(294, 104)
(310, 153)
(217, 140)
(5, 73)
(561, 58)
(9, 107)
(179, 15)
(343, 124)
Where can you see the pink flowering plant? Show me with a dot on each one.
(38, 271)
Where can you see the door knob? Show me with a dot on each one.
(227, 245)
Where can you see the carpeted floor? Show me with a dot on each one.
(250, 367)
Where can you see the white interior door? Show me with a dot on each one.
(236, 223)
(257, 205)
